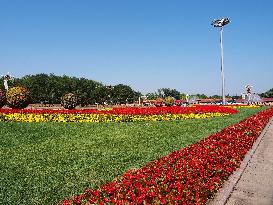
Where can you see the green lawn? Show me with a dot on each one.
(42, 163)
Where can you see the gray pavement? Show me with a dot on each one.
(252, 183)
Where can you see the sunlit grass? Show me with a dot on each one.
(42, 163)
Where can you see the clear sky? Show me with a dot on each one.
(147, 44)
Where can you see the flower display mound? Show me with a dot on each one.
(189, 176)
(3, 98)
(128, 114)
(69, 101)
(18, 97)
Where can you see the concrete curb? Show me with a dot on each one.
(224, 193)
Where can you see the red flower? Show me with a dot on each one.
(188, 176)
(131, 110)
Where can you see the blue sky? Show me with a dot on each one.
(147, 44)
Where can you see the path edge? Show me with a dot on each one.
(222, 196)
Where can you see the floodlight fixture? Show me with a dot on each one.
(220, 22)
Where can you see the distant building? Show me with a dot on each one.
(267, 101)
(213, 101)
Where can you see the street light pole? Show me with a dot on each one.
(221, 23)
(222, 66)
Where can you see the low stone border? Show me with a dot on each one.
(224, 193)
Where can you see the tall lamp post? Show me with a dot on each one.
(220, 23)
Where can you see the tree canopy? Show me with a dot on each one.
(165, 92)
(268, 94)
(50, 88)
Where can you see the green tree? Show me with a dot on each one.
(216, 96)
(137, 95)
(152, 96)
(50, 88)
(102, 95)
(268, 94)
(46, 88)
(201, 96)
(165, 92)
(2, 84)
(236, 96)
(182, 96)
(123, 94)
(38, 85)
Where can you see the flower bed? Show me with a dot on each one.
(242, 106)
(115, 114)
(187, 176)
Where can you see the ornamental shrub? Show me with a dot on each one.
(69, 101)
(3, 98)
(169, 101)
(18, 97)
(159, 102)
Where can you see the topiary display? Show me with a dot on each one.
(69, 101)
(18, 97)
(3, 99)
(159, 102)
(169, 101)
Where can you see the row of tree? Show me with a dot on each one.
(50, 88)
(268, 94)
(165, 92)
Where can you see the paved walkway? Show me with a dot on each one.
(252, 184)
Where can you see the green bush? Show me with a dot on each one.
(169, 101)
(18, 97)
(69, 101)
(3, 99)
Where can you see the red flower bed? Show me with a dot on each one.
(131, 110)
(188, 176)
